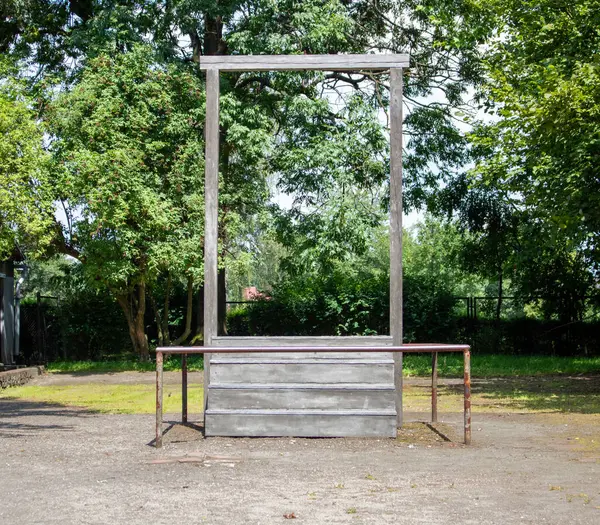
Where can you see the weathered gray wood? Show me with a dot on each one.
(303, 62)
(371, 340)
(325, 423)
(232, 372)
(301, 396)
(237, 359)
(396, 227)
(211, 215)
(333, 357)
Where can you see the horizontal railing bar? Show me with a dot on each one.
(407, 348)
(304, 62)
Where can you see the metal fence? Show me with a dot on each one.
(40, 334)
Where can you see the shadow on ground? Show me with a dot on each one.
(573, 394)
(20, 418)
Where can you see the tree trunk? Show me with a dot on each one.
(188, 315)
(161, 339)
(133, 305)
(221, 303)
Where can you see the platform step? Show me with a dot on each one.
(303, 355)
(300, 423)
(225, 370)
(301, 396)
(235, 360)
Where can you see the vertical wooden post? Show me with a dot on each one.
(159, 399)
(434, 385)
(396, 229)
(211, 216)
(467, 365)
(184, 389)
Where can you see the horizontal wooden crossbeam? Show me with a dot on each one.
(302, 62)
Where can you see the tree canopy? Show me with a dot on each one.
(102, 119)
(25, 194)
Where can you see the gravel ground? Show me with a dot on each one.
(70, 466)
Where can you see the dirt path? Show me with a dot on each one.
(62, 465)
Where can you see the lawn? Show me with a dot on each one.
(109, 398)
(450, 365)
(171, 363)
(501, 384)
(500, 395)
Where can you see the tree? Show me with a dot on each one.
(444, 38)
(434, 250)
(540, 150)
(25, 197)
(261, 113)
(127, 169)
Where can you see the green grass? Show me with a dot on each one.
(451, 365)
(110, 399)
(544, 394)
(172, 363)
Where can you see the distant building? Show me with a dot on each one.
(251, 293)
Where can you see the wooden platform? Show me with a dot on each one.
(304, 394)
(304, 389)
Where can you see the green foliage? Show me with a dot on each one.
(346, 302)
(540, 149)
(435, 250)
(25, 198)
(127, 164)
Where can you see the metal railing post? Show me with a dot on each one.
(184, 389)
(159, 399)
(434, 386)
(467, 380)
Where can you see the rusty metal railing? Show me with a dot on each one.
(412, 348)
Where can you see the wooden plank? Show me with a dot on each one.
(211, 216)
(406, 348)
(247, 372)
(294, 356)
(303, 62)
(313, 423)
(320, 396)
(370, 340)
(396, 227)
